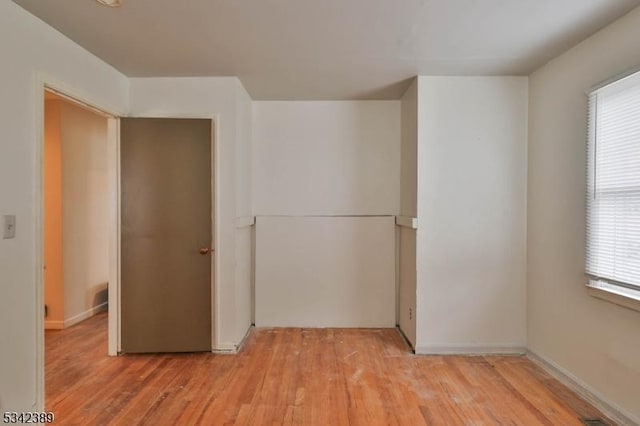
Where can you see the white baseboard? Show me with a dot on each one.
(406, 339)
(585, 391)
(470, 350)
(84, 315)
(53, 325)
(240, 345)
(225, 348)
(232, 348)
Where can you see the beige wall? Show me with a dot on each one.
(53, 279)
(409, 152)
(244, 173)
(406, 262)
(312, 160)
(471, 238)
(76, 213)
(325, 272)
(244, 261)
(594, 341)
(326, 158)
(85, 211)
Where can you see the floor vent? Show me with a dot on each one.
(594, 422)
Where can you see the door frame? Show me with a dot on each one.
(43, 83)
(215, 178)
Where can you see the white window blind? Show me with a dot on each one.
(613, 183)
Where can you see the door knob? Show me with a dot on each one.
(204, 250)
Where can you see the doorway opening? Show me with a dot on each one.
(76, 213)
(78, 229)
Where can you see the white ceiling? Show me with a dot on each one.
(327, 49)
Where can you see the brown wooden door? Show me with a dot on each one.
(166, 221)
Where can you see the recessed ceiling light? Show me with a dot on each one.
(110, 3)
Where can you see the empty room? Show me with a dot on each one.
(336, 212)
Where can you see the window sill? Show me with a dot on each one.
(622, 296)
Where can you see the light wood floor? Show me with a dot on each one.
(298, 376)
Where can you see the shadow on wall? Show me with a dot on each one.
(99, 295)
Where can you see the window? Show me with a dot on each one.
(613, 186)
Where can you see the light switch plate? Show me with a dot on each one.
(9, 226)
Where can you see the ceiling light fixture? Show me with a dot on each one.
(110, 3)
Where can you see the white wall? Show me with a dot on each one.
(472, 138)
(595, 341)
(27, 47)
(183, 97)
(244, 210)
(406, 265)
(325, 272)
(406, 262)
(326, 158)
(85, 210)
(244, 183)
(409, 152)
(317, 159)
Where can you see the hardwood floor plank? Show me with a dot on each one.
(556, 411)
(515, 408)
(298, 377)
